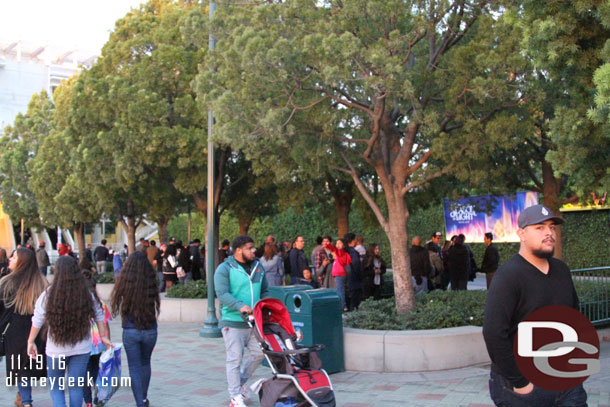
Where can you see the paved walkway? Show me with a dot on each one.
(189, 371)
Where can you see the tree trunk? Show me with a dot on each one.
(343, 206)
(551, 189)
(401, 267)
(244, 225)
(163, 229)
(131, 227)
(79, 233)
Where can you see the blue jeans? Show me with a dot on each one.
(93, 368)
(25, 391)
(340, 285)
(502, 394)
(139, 345)
(76, 366)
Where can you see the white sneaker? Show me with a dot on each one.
(245, 394)
(237, 401)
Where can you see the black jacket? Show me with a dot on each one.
(298, 262)
(491, 258)
(420, 261)
(458, 261)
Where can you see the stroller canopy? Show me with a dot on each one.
(271, 310)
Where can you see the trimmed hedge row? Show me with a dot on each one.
(446, 309)
(192, 289)
(435, 310)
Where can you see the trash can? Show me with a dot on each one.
(317, 318)
(280, 291)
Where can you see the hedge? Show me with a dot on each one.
(104, 278)
(434, 310)
(446, 309)
(192, 289)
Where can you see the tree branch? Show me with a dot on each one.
(365, 194)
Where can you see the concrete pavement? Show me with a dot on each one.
(189, 371)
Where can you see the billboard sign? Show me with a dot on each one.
(476, 215)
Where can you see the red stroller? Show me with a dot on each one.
(298, 378)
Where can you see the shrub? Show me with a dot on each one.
(192, 289)
(104, 278)
(435, 310)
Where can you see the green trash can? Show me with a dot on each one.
(280, 291)
(317, 317)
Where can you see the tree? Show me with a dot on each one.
(63, 198)
(142, 132)
(19, 146)
(564, 155)
(406, 83)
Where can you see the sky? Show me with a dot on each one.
(82, 24)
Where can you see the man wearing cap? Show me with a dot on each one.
(528, 281)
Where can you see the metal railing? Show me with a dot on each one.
(593, 289)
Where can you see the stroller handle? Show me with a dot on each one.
(248, 318)
(308, 349)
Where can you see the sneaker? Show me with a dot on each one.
(244, 392)
(237, 401)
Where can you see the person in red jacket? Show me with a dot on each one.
(341, 260)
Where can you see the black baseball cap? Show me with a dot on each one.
(535, 215)
(172, 239)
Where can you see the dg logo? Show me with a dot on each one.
(557, 348)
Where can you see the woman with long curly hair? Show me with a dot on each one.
(136, 298)
(18, 293)
(67, 306)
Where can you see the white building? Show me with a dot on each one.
(28, 68)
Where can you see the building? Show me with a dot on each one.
(27, 68)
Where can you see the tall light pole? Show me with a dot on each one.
(210, 324)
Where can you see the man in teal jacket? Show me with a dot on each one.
(240, 282)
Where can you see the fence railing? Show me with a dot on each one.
(593, 289)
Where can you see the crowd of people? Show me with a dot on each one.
(64, 325)
(57, 331)
(451, 265)
(346, 265)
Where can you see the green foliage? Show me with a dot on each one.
(192, 289)
(18, 146)
(446, 309)
(104, 278)
(435, 310)
(178, 227)
(590, 291)
(379, 315)
(586, 238)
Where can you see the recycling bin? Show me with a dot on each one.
(317, 319)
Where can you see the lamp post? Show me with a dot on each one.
(210, 324)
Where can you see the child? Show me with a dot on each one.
(307, 279)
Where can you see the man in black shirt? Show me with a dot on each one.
(530, 280)
(101, 255)
(491, 258)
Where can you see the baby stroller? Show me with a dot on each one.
(298, 378)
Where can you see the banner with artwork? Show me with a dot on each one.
(476, 215)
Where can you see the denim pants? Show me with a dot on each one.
(502, 394)
(236, 340)
(93, 368)
(139, 345)
(25, 391)
(100, 266)
(76, 367)
(340, 286)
